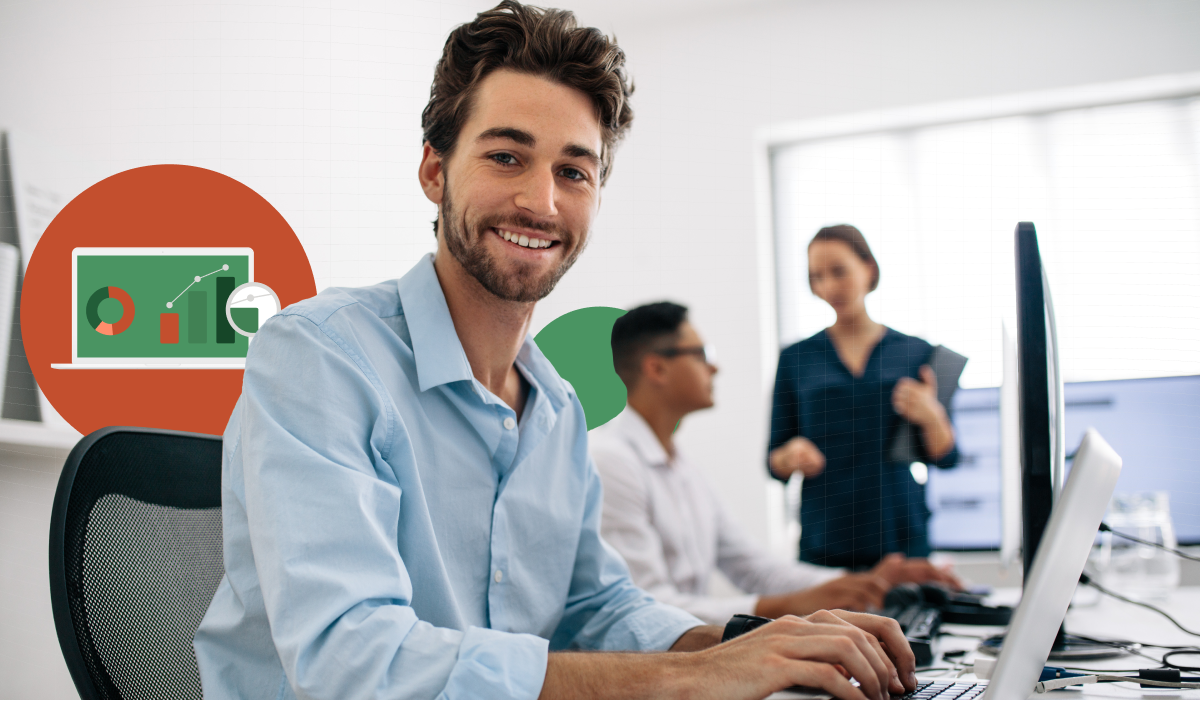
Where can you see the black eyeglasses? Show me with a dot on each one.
(705, 353)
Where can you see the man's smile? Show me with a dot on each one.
(525, 239)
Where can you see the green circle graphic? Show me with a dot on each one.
(110, 310)
(579, 346)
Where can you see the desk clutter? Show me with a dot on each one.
(922, 609)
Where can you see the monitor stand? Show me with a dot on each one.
(1066, 647)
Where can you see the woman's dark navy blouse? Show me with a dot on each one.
(862, 506)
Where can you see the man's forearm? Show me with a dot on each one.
(615, 675)
(627, 675)
(698, 638)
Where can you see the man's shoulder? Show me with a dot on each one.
(360, 322)
(613, 451)
(607, 438)
(381, 300)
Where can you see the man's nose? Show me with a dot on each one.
(537, 194)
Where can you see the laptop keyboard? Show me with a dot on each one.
(947, 690)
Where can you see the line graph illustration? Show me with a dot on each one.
(198, 312)
(198, 278)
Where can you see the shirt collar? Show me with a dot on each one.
(438, 352)
(630, 424)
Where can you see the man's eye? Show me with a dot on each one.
(574, 174)
(504, 159)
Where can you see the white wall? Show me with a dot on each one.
(679, 216)
(317, 109)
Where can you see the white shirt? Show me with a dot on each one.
(673, 531)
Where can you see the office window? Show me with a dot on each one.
(1114, 191)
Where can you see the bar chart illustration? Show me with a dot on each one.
(197, 311)
(181, 295)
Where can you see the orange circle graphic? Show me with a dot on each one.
(160, 207)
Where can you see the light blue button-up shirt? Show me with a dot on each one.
(392, 530)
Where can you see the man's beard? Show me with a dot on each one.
(518, 286)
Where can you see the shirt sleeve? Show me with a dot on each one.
(785, 407)
(628, 527)
(605, 609)
(322, 506)
(751, 568)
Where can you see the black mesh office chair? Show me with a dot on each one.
(135, 557)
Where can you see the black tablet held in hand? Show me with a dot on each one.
(947, 367)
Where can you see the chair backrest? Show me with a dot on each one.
(135, 557)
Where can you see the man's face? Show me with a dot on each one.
(522, 187)
(688, 377)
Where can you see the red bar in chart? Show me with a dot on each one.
(168, 328)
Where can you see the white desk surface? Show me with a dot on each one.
(1106, 619)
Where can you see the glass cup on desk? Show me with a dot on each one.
(1134, 569)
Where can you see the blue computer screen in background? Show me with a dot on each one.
(1154, 424)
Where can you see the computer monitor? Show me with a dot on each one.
(1041, 420)
(1149, 421)
(1010, 454)
(1039, 394)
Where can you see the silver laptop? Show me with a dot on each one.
(145, 308)
(1061, 556)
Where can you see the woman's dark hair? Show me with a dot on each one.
(536, 41)
(853, 238)
(639, 331)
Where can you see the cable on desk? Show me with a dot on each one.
(1104, 527)
(1124, 645)
(1166, 660)
(1144, 680)
(1085, 579)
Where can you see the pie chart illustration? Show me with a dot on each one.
(93, 310)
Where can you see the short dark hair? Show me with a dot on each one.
(536, 41)
(638, 331)
(853, 238)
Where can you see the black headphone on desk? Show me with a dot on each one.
(956, 607)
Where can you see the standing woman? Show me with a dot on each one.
(839, 398)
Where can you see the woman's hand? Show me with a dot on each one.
(797, 455)
(917, 401)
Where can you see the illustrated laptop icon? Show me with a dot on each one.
(156, 308)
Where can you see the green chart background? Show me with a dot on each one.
(579, 346)
(152, 281)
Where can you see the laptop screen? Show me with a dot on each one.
(151, 304)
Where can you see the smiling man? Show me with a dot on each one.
(409, 509)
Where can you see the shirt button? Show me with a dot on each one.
(499, 574)
(510, 425)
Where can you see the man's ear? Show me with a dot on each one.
(654, 369)
(431, 174)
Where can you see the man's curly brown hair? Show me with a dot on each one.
(542, 42)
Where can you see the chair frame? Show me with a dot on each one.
(68, 638)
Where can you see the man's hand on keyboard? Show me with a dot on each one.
(821, 650)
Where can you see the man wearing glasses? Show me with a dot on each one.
(661, 515)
